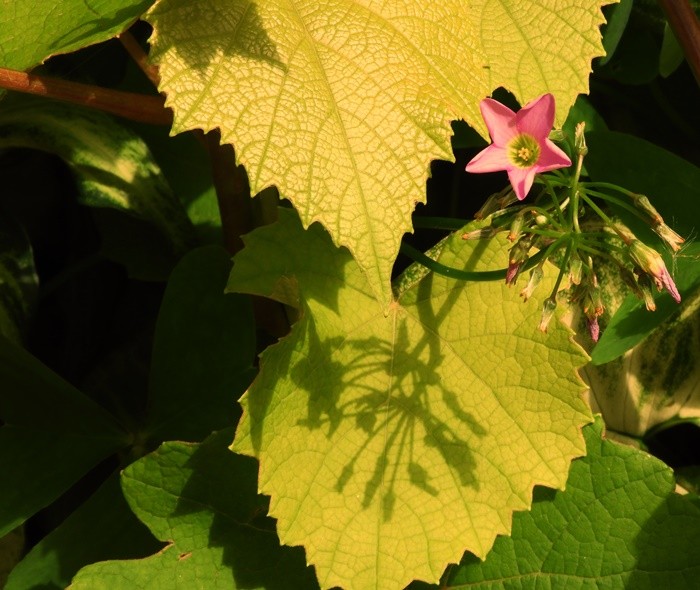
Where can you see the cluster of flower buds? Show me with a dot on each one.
(566, 222)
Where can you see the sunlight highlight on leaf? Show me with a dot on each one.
(343, 104)
(389, 445)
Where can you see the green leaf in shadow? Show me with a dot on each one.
(618, 524)
(201, 499)
(113, 169)
(104, 527)
(51, 435)
(203, 351)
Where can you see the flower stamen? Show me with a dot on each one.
(523, 151)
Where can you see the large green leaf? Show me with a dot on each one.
(389, 444)
(343, 103)
(619, 524)
(31, 32)
(102, 528)
(51, 435)
(113, 167)
(202, 499)
(203, 351)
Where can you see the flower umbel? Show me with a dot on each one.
(521, 144)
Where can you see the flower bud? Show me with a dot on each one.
(508, 199)
(490, 206)
(650, 261)
(593, 328)
(517, 256)
(536, 275)
(644, 285)
(575, 269)
(516, 226)
(669, 236)
(643, 204)
(548, 308)
(480, 234)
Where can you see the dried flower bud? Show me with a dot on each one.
(548, 308)
(575, 269)
(517, 256)
(480, 234)
(508, 199)
(643, 204)
(536, 275)
(644, 285)
(669, 236)
(650, 261)
(516, 226)
(491, 205)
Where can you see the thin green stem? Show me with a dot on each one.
(614, 201)
(562, 269)
(463, 275)
(555, 199)
(575, 195)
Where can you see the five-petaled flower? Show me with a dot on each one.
(521, 144)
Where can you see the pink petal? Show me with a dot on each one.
(521, 179)
(670, 286)
(500, 121)
(490, 159)
(551, 157)
(536, 117)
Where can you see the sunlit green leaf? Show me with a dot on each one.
(343, 104)
(30, 32)
(202, 500)
(389, 444)
(619, 524)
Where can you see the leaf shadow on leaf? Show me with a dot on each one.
(225, 484)
(233, 27)
(666, 547)
(339, 376)
(88, 29)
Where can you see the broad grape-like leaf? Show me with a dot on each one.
(389, 444)
(619, 524)
(202, 500)
(113, 169)
(31, 32)
(343, 103)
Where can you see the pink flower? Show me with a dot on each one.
(521, 144)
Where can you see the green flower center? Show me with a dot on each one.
(523, 151)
